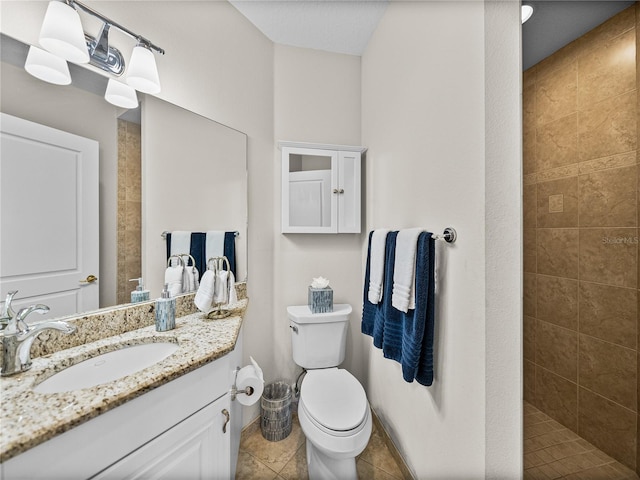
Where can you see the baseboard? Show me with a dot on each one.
(395, 453)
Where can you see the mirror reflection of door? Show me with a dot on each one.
(310, 190)
(49, 206)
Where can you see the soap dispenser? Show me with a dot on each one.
(165, 311)
(139, 294)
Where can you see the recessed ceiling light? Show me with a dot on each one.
(526, 12)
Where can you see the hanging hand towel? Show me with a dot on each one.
(190, 279)
(233, 296)
(378, 240)
(180, 242)
(221, 291)
(404, 276)
(214, 244)
(204, 296)
(173, 278)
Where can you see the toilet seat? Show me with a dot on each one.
(334, 401)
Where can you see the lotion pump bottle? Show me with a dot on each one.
(139, 294)
(165, 311)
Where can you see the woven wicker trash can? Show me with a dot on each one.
(275, 411)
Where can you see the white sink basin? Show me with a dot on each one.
(106, 367)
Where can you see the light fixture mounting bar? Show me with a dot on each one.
(139, 38)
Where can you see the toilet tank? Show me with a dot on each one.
(318, 340)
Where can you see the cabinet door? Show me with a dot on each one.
(309, 190)
(197, 448)
(349, 195)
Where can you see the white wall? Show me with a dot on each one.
(316, 99)
(432, 141)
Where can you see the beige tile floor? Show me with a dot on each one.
(552, 451)
(260, 459)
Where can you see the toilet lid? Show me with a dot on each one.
(334, 398)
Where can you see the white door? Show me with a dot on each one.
(48, 217)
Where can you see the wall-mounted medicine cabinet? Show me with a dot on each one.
(321, 188)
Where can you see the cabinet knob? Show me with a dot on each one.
(225, 412)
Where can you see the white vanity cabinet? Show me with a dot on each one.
(321, 188)
(188, 428)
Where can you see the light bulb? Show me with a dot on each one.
(526, 11)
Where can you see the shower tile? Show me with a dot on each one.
(557, 203)
(608, 426)
(557, 301)
(556, 95)
(607, 70)
(529, 205)
(529, 129)
(563, 57)
(608, 255)
(529, 324)
(608, 198)
(608, 127)
(557, 143)
(557, 397)
(530, 294)
(609, 370)
(557, 350)
(529, 374)
(608, 30)
(609, 313)
(529, 251)
(558, 252)
(614, 161)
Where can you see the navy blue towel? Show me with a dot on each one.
(405, 337)
(229, 249)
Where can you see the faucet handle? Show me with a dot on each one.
(7, 311)
(20, 325)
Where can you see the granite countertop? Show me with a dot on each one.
(29, 418)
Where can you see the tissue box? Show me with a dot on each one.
(320, 300)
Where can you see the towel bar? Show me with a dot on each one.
(164, 234)
(449, 235)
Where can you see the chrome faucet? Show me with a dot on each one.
(17, 336)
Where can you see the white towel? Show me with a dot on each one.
(233, 296)
(190, 281)
(180, 242)
(221, 292)
(204, 296)
(173, 279)
(376, 265)
(404, 273)
(214, 244)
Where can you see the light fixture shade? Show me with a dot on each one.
(62, 33)
(526, 11)
(143, 72)
(47, 66)
(120, 95)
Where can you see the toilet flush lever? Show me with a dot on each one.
(294, 328)
(225, 412)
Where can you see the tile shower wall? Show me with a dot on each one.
(129, 209)
(581, 237)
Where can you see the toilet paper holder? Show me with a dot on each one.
(234, 389)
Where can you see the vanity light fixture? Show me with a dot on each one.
(120, 94)
(62, 36)
(47, 66)
(525, 12)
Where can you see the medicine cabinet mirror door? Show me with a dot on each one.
(309, 190)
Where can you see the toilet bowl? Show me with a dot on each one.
(336, 419)
(333, 410)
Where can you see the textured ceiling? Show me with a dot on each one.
(345, 26)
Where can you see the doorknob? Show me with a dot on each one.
(89, 279)
(225, 412)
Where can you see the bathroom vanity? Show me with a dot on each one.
(174, 419)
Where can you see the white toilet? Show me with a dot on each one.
(333, 409)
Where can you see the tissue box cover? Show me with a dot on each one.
(320, 300)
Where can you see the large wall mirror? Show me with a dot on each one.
(161, 168)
